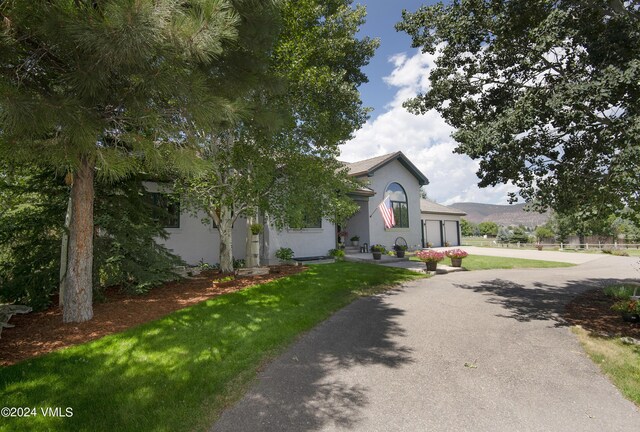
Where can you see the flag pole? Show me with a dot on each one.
(371, 215)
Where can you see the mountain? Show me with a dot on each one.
(506, 215)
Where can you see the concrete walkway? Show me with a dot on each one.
(469, 351)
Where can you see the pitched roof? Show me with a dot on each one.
(363, 191)
(368, 166)
(427, 206)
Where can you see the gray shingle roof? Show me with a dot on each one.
(427, 206)
(368, 166)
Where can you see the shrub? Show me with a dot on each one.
(622, 292)
(627, 307)
(238, 263)
(338, 254)
(430, 256)
(615, 251)
(284, 254)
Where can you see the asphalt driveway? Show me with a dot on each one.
(469, 351)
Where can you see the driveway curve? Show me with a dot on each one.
(469, 351)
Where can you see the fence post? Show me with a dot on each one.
(587, 246)
(561, 246)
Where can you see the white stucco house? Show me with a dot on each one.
(418, 221)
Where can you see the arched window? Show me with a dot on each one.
(399, 203)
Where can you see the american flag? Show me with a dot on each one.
(387, 213)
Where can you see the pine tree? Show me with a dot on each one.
(104, 89)
(32, 212)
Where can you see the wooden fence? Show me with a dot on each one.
(558, 246)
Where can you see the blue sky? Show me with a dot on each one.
(382, 15)
(396, 73)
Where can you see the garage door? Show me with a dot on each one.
(451, 232)
(432, 234)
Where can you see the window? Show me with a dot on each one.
(307, 221)
(169, 209)
(398, 199)
(312, 222)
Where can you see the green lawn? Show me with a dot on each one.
(483, 262)
(619, 361)
(179, 372)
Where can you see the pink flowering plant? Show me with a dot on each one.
(456, 253)
(430, 256)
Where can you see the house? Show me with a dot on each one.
(440, 224)
(418, 221)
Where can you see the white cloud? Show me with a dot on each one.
(425, 139)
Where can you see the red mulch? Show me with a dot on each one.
(38, 333)
(592, 311)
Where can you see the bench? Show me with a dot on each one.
(7, 311)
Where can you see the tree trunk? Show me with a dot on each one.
(225, 228)
(78, 285)
(64, 254)
(581, 239)
(252, 254)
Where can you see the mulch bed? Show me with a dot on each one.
(38, 333)
(592, 311)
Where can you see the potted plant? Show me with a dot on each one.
(254, 248)
(629, 309)
(355, 240)
(539, 246)
(431, 258)
(377, 250)
(400, 250)
(256, 228)
(456, 256)
(447, 244)
(341, 236)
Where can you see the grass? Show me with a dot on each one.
(619, 361)
(620, 291)
(483, 262)
(179, 372)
